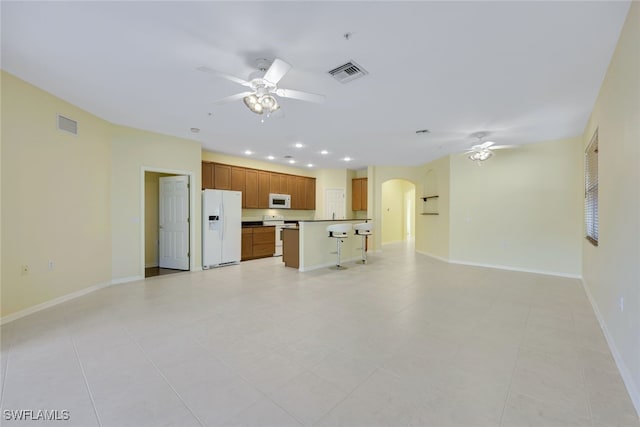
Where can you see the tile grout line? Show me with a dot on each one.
(6, 374)
(264, 394)
(347, 396)
(584, 378)
(506, 399)
(86, 381)
(166, 380)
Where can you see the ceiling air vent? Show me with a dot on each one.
(347, 72)
(67, 125)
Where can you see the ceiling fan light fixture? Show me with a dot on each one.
(268, 102)
(481, 155)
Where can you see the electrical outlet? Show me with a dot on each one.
(50, 265)
(25, 270)
(621, 303)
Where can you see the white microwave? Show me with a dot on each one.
(279, 201)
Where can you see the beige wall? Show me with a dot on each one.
(55, 198)
(520, 210)
(132, 152)
(611, 271)
(394, 195)
(432, 231)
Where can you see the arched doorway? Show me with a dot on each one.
(398, 211)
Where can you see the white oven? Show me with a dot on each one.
(278, 222)
(279, 201)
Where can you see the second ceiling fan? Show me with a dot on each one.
(263, 93)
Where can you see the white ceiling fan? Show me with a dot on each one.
(261, 98)
(483, 150)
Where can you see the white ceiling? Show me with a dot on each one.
(521, 71)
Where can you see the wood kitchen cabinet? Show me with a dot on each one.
(251, 181)
(300, 202)
(278, 183)
(239, 182)
(293, 189)
(247, 244)
(291, 247)
(207, 176)
(310, 194)
(256, 185)
(264, 182)
(359, 198)
(221, 177)
(258, 242)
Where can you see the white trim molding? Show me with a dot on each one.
(523, 270)
(430, 255)
(48, 304)
(634, 394)
(68, 297)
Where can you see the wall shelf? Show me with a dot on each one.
(433, 210)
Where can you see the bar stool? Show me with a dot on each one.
(339, 232)
(364, 229)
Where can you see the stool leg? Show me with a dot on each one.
(364, 250)
(338, 252)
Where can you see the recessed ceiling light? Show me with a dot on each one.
(195, 130)
(309, 165)
(248, 152)
(291, 161)
(270, 157)
(299, 145)
(347, 159)
(324, 152)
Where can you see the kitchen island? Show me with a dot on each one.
(316, 249)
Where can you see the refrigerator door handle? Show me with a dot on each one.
(224, 223)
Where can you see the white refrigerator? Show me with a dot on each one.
(221, 227)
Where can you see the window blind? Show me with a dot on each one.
(591, 190)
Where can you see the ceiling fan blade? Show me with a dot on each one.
(276, 71)
(298, 94)
(501, 147)
(225, 76)
(232, 98)
(486, 144)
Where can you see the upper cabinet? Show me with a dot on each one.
(221, 177)
(207, 176)
(256, 185)
(359, 198)
(239, 182)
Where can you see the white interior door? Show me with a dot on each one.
(334, 204)
(174, 222)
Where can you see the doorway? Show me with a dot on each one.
(398, 211)
(167, 229)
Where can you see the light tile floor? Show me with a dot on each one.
(403, 341)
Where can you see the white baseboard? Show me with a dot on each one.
(126, 279)
(151, 265)
(48, 304)
(439, 258)
(523, 270)
(73, 295)
(622, 367)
